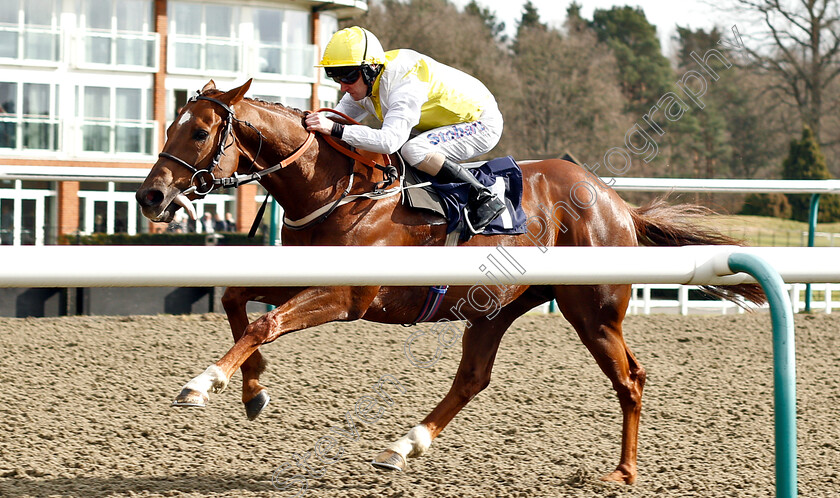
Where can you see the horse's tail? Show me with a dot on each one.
(661, 224)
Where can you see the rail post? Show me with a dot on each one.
(784, 367)
(812, 228)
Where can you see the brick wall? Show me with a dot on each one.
(159, 97)
(68, 207)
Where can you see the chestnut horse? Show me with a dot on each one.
(221, 136)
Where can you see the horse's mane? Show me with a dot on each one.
(275, 106)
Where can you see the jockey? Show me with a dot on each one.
(433, 114)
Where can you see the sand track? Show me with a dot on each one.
(86, 411)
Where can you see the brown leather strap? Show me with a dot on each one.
(348, 151)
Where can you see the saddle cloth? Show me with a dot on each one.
(502, 175)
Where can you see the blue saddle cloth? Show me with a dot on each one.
(504, 178)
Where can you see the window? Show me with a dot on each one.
(203, 38)
(118, 33)
(7, 221)
(29, 30)
(26, 213)
(329, 25)
(109, 207)
(283, 41)
(116, 120)
(293, 102)
(28, 116)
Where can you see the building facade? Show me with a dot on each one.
(88, 87)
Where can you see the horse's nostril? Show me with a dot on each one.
(152, 197)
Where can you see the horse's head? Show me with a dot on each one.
(199, 148)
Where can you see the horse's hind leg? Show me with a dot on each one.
(480, 342)
(596, 312)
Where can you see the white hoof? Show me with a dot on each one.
(413, 444)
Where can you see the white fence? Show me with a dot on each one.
(643, 300)
(157, 266)
(102, 266)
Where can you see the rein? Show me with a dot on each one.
(379, 191)
(203, 180)
(198, 179)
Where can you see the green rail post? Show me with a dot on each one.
(272, 234)
(812, 228)
(272, 224)
(784, 367)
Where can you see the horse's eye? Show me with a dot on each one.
(200, 135)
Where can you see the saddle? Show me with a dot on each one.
(502, 175)
(449, 200)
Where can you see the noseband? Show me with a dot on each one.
(203, 181)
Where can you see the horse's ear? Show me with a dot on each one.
(211, 85)
(237, 94)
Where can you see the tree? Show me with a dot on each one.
(769, 205)
(801, 45)
(711, 135)
(645, 72)
(758, 127)
(569, 97)
(530, 17)
(646, 76)
(496, 27)
(530, 20)
(806, 162)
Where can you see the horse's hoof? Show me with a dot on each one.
(189, 397)
(389, 460)
(254, 407)
(620, 476)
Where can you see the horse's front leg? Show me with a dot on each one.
(305, 307)
(235, 299)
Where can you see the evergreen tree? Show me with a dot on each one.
(568, 98)
(646, 76)
(575, 23)
(530, 17)
(496, 27)
(645, 72)
(530, 21)
(806, 162)
(711, 134)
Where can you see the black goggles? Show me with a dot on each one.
(346, 75)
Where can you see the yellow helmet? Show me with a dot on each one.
(352, 47)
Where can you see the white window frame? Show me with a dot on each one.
(22, 29)
(308, 50)
(114, 34)
(203, 40)
(113, 123)
(18, 194)
(110, 196)
(20, 119)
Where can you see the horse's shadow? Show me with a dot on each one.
(235, 484)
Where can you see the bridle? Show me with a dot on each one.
(203, 181)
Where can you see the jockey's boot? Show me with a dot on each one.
(483, 206)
